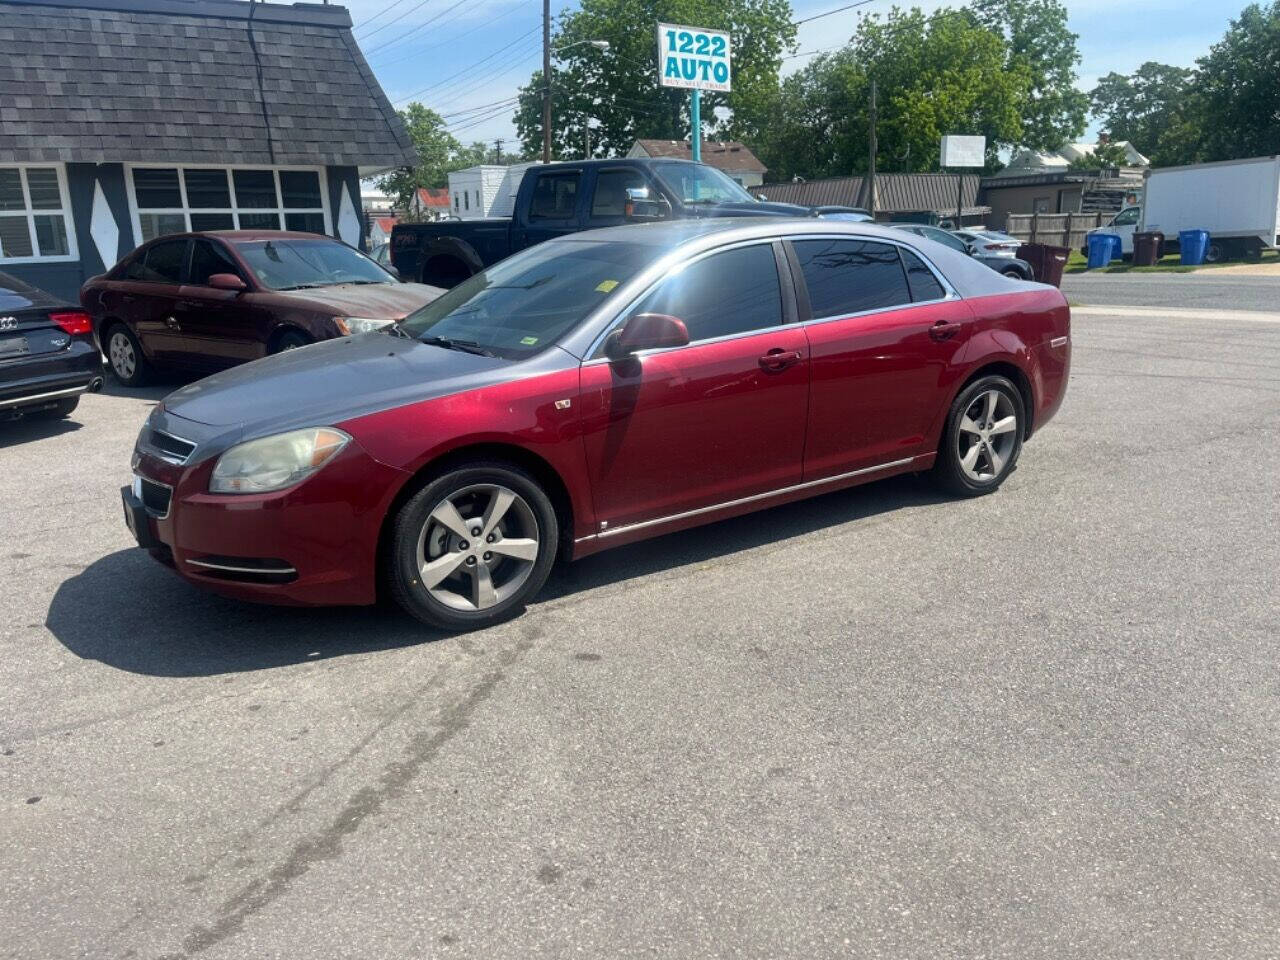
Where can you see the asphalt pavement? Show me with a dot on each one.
(879, 723)
(1209, 289)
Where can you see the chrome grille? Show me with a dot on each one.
(155, 497)
(171, 448)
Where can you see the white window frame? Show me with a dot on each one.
(64, 196)
(185, 211)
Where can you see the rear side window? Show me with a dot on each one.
(924, 285)
(163, 263)
(732, 292)
(554, 196)
(851, 276)
(208, 258)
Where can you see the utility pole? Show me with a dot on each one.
(546, 81)
(586, 133)
(871, 160)
(497, 149)
(960, 200)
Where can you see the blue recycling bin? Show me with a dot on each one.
(1103, 248)
(1192, 245)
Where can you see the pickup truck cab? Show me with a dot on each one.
(559, 198)
(1123, 225)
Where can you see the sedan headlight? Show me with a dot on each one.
(354, 325)
(274, 463)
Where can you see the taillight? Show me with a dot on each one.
(74, 322)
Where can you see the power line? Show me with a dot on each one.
(520, 39)
(453, 92)
(396, 19)
(380, 13)
(819, 16)
(413, 30)
(436, 46)
(481, 106)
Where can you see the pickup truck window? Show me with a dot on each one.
(524, 304)
(610, 199)
(554, 196)
(694, 183)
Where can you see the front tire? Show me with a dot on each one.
(291, 340)
(125, 357)
(472, 547)
(983, 438)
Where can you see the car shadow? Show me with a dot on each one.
(28, 429)
(129, 612)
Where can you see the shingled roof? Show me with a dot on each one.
(180, 80)
(722, 154)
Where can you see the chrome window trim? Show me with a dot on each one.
(669, 269)
(779, 491)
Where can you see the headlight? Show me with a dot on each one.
(354, 325)
(274, 463)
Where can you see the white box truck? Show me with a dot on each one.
(1237, 201)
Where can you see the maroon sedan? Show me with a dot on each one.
(592, 391)
(200, 302)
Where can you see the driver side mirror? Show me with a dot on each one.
(646, 331)
(970, 249)
(227, 281)
(643, 207)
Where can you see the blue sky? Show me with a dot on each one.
(459, 55)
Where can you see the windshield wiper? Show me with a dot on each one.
(307, 286)
(357, 283)
(466, 346)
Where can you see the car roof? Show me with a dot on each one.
(246, 235)
(714, 231)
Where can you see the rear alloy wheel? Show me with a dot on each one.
(983, 437)
(472, 546)
(124, 354)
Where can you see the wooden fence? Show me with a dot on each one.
(1056, 229)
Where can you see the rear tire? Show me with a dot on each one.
(59, 411)
(125, 357)
(982, 439)
(472, 546)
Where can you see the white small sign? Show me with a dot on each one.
(693, 58)
(964, 151)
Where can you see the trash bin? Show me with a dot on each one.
(1047, 262)
(1148, 248)
(1100, 247)
(1192, 244)
(1117, 247)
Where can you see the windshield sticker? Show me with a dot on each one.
(528, 341)
(605, 286)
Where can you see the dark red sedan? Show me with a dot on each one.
(593, 391)
(199, 302)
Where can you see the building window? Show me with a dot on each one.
(466, 200)
(455, 201)
(177, 199)
(34, 215)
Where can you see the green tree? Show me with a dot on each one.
(936, 74)
(1152, 109)
(615, 92)
(1106, 155)
(1039, 40)
(439, 152)
(1238, 88)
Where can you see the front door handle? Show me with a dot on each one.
(172, 323)
(779, 359)
(944, 330)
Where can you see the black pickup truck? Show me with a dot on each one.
(560, 198)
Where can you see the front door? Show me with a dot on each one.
(886, 345)
(710, 422)
(553, 210)
(219, 327)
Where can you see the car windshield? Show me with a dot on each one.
(296, 263)
(524, 304)
(694, 183)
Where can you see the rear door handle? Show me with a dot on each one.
(779, 359)
(944, 330)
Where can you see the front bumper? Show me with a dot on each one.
(313, 544)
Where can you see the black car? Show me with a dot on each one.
(1009, 266)
(48, 353)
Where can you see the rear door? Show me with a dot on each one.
(886, 340)
(219, 327)
(555, 207)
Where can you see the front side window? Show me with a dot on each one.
(178, 199)
(610, 198)
(34, 214)
(1126, 218)
(208, 258)
(726, 293)
(555, 195)
(297, 263)
(695, 183)
(524, 304)
(845, 277)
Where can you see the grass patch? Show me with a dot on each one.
(1076, 263)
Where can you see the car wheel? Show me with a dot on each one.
(983, 438)
(291, 340)
(1215, 252)
(1013, 273)
(472, 546)
(124, 354)
(59, 410)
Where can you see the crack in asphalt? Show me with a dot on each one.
(327, 843)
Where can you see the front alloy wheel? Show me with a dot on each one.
(472, 546)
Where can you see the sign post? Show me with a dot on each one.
(960, 152)
(693, 59)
